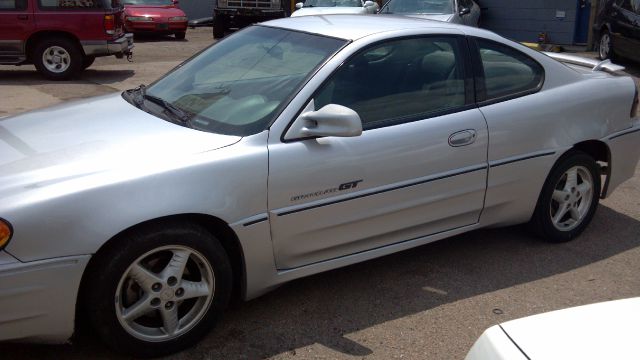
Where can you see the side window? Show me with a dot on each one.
(70, 4)
(13, 4)
(399, 81)
(508, 72)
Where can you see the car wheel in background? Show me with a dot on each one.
(87, 61)
(605, 46)
(57, 58)
(158, 290)
(568, 199)
(180, 35)
(218, 28)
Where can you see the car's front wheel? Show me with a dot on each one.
(568, 199)
(180, 35)
(158, 290)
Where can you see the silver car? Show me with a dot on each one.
(465, 12)
(290, 148)
(325, 7)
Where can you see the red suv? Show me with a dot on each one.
(61, 37)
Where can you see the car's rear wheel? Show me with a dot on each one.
(569, 198)
(180, 35)
(158, 290)
(605, 46)
(57, 58)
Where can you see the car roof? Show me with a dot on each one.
(353, 27)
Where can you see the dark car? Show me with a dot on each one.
(617, 29)
(61, 37)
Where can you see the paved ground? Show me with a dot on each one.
(427, 303)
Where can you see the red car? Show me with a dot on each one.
(155, 16)
(61, 37)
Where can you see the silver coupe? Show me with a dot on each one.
(290, 148)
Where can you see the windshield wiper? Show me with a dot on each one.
(139, 94)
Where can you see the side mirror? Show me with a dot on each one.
(331, 120)
(464, 11)
(369, 3)
(299, 5)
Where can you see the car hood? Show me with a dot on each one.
(437, 17)
(89, 137)
(153, 11)
(329, 10)
(606, 330)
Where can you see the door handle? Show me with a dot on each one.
(462, 138)
(23, 17)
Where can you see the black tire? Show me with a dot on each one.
(542, 223)
(87, 61)
(180, 35)
(218, 28)
(68, 68)
(605, 51)
(114, 262)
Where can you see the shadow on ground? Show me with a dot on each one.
(325, 307)
(27, 75)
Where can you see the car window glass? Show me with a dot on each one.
(13, 4)
(238, 85)
(70, 4)
(398, 81)
(508, 72)
(635, 4)
(419, 7)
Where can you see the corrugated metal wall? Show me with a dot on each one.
(522, 20)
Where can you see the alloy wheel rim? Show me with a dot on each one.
(604, 46)
(164, 293)
(571, 198)
(56, 59)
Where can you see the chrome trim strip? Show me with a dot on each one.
(513, 159)
(623, 133)
(379, 190)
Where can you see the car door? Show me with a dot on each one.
(16, 22)
(419, 167)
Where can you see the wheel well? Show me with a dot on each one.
(38, 36)
(217, 227)
(600, 152)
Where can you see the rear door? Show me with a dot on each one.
(625, 36)
(418, 169)
(16, 23)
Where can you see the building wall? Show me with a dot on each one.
(196, 9)
(523, 20)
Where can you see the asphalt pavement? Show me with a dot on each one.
(431, 302)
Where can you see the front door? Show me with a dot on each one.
(16, 22)
(419, 167)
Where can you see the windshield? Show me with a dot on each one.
(147, 2)
(418, 7)
(332, 3)
(240, 84)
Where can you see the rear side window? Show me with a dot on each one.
(70, 4)
(399, 81)
(508, 72)
(13, 4)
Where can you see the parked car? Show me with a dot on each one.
(228, 14)
(605, 330)
(201, 22)
(617, 27)
(155, 17)
(61, 38)
(289, 148)
(324, 7)
(465, 12)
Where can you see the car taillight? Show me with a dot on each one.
(5, 233)
(110, 24)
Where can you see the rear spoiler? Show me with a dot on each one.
(595, 65)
